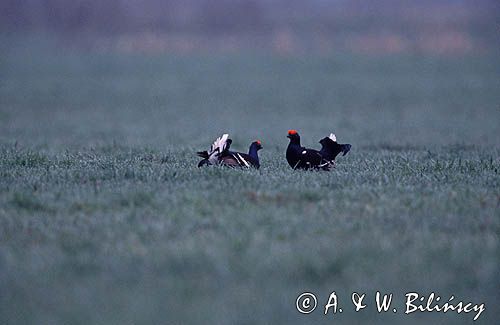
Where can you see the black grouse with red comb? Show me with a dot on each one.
(220, 154)
(299, 157)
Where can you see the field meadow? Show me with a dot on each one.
(105, 218)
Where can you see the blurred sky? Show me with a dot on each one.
(450, 27)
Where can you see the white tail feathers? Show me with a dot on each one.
(333, 137)
(218, 146)
(220, 143)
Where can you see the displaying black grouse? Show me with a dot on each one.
(220, 154)
(299, 157)
(330, 148)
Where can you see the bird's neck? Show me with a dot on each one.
(252, 152)
(295, 142)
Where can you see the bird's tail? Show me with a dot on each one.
(203, 162)
(211, 157)
(202, 154)
(220, 144)
(345, 149)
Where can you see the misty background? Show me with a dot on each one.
(441, 27)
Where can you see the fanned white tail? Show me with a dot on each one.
(218, 146)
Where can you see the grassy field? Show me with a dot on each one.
(104, 217)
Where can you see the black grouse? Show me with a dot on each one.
(330, 148)
(220, 154)
(299, 157)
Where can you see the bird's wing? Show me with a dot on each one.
(230, 161)
(202, 154)
(310, 156)
(246, 160)
(242, 159)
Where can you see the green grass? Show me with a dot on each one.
(104, 217)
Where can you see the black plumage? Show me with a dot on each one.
(220, 154)
(299, 157)
(330, 149)
(240, 159)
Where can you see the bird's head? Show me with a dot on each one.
(257, 144)
(292, 134)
